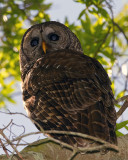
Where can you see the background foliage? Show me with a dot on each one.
(102, 36)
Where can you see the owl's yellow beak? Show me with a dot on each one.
(44, 47)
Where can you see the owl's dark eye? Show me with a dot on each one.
(34, 42)
(53, 37)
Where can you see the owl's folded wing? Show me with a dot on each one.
(74, 82)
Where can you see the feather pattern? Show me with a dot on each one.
(63, 89)
(71, 97)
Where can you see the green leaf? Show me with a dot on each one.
(103, 12)
(121, 125)
(126, 127)
(120, 94)
(118, 134)
(81, 14)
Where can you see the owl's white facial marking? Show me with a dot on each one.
(49, 35)
(48, 30)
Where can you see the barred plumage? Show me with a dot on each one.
(63, 89)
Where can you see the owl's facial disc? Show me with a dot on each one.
(46, 38)
(54, 38)
(49, 39)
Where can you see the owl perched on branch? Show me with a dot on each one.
(63, 89)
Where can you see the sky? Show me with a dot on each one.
(58, 11)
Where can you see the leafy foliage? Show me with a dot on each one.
(15, 16)
(101, 35)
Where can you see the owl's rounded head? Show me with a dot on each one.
(45, 38)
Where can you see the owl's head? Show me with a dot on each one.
(45, 38)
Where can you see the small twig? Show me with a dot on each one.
(121, 30)
(4, 149)
(112, 18)
(73, 155)
(121, 99)
(102, 142)
(95, 139)
(98, 148)
(6, 126)
(108, 145)
(85, 136)
(123, 108)
(21, 126)
(14, 150)
(88, 149)
(63, 144)
(9, 142)
(25, 135)
(15, 135)
(14, 113)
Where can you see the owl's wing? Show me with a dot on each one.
(66, 90)
(73, 80)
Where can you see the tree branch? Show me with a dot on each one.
(9, 142)
(123, 108)
(4, 148)
(121, 30)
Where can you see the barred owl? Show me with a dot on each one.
(63, 89)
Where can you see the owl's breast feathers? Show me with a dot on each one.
(65, 90)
